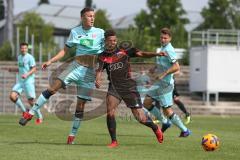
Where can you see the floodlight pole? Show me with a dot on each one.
(9, 24)
(32, 41)
(26, 34)
(18, 43)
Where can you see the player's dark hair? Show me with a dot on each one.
(109, 32)
(23, 44)
(86, 9)
(166, 31)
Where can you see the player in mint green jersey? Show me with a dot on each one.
(25, 82)
(162, 89)
(143, 85)
(89, 42)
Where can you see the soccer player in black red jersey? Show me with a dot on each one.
(122, 86)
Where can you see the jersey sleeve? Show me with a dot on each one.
(132, 52)
(102, 44)
(100, 64)
(172, 56)
(32, 62)
(71, 41)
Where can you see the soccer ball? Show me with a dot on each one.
(210, 142)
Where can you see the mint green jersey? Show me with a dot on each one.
(25, 64)
(86, 41)
(165, 62)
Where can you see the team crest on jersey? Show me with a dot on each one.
(120, 54)
(94, 35)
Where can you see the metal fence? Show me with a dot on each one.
(8, 79)
(214, 36)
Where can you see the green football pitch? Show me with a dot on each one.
(137, 142)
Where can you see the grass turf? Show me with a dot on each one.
(137, 142)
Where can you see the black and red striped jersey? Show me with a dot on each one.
(117, 64)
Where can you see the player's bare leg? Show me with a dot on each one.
(15, 98)
(42, 99)
(144, 118)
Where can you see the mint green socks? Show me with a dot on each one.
(20, 105)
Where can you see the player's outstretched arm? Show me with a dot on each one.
(150, 54)
(57, 57)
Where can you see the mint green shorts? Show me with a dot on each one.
(27, 88)
(162, 92)
(83, 77)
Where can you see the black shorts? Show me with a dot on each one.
(175, 92)
(129, 95)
